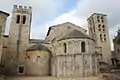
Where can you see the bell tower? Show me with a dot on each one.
(19, 38)
(98, 30)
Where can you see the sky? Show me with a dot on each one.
(51, 12)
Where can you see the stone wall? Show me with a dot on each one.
(98, 29)
(74, 62)
(3, 18)
(77, 65)
(18, 40)
(117, 51)
(37, 63)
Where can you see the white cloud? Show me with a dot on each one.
(66, 17)
(40, 7)
(84, 8)
(78, 15)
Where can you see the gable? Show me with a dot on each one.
(60, 30)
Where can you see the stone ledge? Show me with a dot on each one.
(50, 78)
(110, 77)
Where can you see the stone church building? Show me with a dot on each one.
(66, 51)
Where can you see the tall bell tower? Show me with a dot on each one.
(98, 29)
(19, 38)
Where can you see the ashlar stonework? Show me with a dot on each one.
(66, 51)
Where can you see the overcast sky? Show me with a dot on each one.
(51, 12)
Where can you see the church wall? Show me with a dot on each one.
(74, 46)
(37, 63)
(18, 39)
(74, 62)
(3, 18)
(75, 65)
(5, 50)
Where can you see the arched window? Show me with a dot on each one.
(103, 27)
(90, 22)
(102, 19)
(24, 19)
(18, 19)
(65, 48)
(99, 27)
(98, 19)
(82, 46)
(101, 37)
(104, 37)
(94, 28)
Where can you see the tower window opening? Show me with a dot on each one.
(90, 22)
(102, 19)
(101, 37)
(65, 48)
(94, 28)
(83, 47)
(98, 19)
(24, 19)
(99, 27)
(104, 37)
(103, 27)
(18, 19)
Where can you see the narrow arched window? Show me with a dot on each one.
(65, 48)
(24, 19)
(98, 19)
(99, 27)
(101, 37)
(90, 22)
(83, 47)
(94, 28)
(102, 19)
(103, 27)
(18, 19)
(104, 37)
